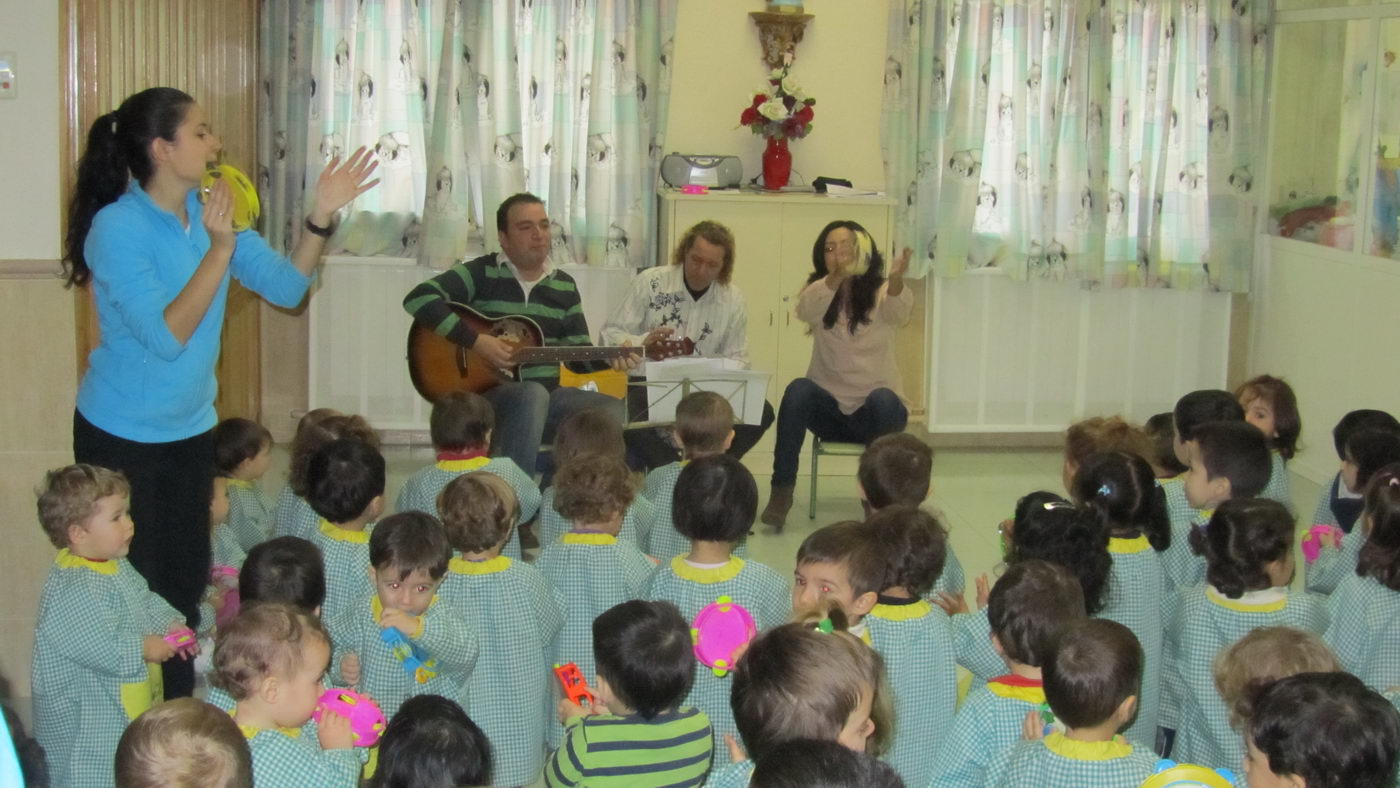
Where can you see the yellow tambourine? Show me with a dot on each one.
(246, 206)
(1185, 775)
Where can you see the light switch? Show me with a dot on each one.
(9, 87)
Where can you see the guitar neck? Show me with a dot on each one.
(557, 354)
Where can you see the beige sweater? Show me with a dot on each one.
(847, 365)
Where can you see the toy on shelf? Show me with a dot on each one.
(183, 641)
(720, 631)
(225, 578)
(1317, 536)
(366, 720)
(575, 686)
(1171, 774)
(414, 659)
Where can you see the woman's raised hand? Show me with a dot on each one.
(341, 182)
(900, 266)
(218, 216)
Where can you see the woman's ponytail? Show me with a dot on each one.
(118, 149)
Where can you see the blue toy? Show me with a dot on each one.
(415, 661)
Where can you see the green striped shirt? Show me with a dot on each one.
(671, 749)
(487, 285)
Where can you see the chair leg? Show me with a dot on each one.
(812, 503)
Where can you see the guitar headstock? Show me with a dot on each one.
(670, 348)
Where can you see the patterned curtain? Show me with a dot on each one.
(1110, 141)
(564, 98)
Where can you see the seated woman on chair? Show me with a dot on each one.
(692, 297)
(853, 390)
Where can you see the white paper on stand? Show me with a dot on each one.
(669, 381)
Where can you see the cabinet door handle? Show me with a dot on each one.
(787, 318)
(770, 317)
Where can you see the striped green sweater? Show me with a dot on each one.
(487, 285)
(671, 749)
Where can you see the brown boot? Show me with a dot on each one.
(779, 502)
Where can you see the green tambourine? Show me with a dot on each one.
(246, 206)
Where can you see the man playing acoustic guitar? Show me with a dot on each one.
(518, 280)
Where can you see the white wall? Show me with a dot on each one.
(29, 133)
(840, 62)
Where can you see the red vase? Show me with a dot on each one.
(777, 164)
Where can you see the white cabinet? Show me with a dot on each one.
(774, 235)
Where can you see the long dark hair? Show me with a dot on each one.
(1380, 556)
(118, 149)
(1052, 529)
(859, 299)
(1119, 487)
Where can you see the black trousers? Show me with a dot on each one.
(171, 485)
(651, 447)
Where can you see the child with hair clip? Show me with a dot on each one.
(184, 743)
(590, 565)
(271, 659)
(1322, 730)
(1097, 435)
(461, 426)
(1262, 657)
(1366, 453)
(596, 432)
(1270, 405)
(1248, 549)
(1028, 608)
(807, 680)
(99, 642)
(515, 612)
(432, 743)
(897, 468)
(1091, 684)
(1165, 465)
(1119, 487)
(704, 428)
(1340, 507)
(345, 486)
(292, 515)
(914, 637)
(242, 454)
(1047, 527)
(813, 763)
(715, 501)
(1365, 608)
(408, 556)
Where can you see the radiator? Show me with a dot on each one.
(1035, 356)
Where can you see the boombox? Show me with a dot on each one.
(717, 172)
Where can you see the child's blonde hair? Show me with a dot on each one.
(70, 494)
(703, 422)
(799, 681)
(1262, 657)
(1095, 435)
(267, 639)
(478, 510)
(592, 489)
(184, 743)
(315, 430)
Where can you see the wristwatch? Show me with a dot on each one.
(324, 232)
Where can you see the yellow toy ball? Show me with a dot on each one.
(246, 206)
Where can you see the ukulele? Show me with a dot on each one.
(439, 366)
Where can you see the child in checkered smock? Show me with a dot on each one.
(1366, 452)
(597, 432)
(271, 659)
(184, 742)
(98, 642)
(897, 469)
(1091, 681)
(718, 500)
(1320, 729)
(590, 565)
(225, 547)
(1120, 489)
(293, 515)
(704, 428)
(807, 680)
(515, 612)
(1029, 606)
(1365, 608)
(242, 453)
(408, 555)
(1248, 548)
(1338, 506)
(461, 427)
(914, 637)
(1262, 657)
(1270, 405)
(346, 484)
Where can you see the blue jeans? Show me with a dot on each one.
(527, 414)
(807, 406)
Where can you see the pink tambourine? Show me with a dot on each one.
(366, 720)
(720, 630)
(1312, 543)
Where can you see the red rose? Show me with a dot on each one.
(805, 114)
(759, 99)
(748, 116)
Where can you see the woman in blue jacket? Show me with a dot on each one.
(159, 263)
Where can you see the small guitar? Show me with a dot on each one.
(438, 365)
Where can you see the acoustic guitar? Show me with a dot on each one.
(439, 366)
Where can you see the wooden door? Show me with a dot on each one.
(113, 48)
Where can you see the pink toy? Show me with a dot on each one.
(366, 720)
(719, 631)
(183, 641)
(694, 188)
(225, 578)
(1312, 543)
